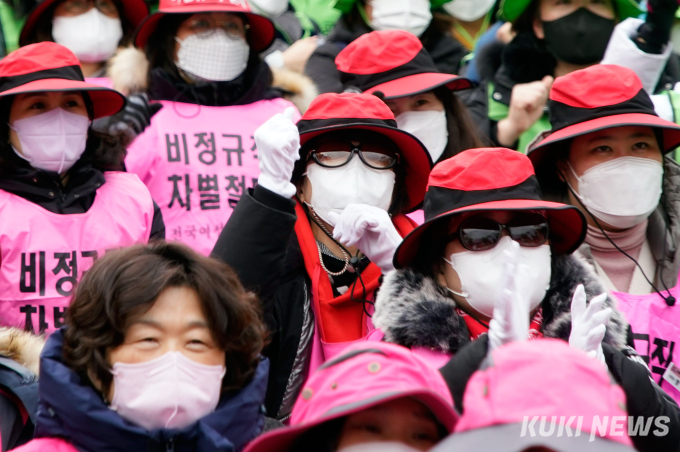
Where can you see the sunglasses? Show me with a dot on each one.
(481, 233)
(375, 154)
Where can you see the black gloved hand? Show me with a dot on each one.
(138, 112)
(655, 33)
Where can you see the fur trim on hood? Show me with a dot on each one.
(412, 309)
(22, 346)
(129, 68)
(297, 88)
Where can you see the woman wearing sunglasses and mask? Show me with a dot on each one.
(315, 248)
(483, 215)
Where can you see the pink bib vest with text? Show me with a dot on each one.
(656, 332)
(44, 254)
(197, 162)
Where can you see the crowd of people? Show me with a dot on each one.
(339, 225)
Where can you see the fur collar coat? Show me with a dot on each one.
(413, 310)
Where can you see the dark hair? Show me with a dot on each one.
(400, 196)
(463, 134)
(431, 247)
(103, 151)
(160, 47)
(42, 31)
(126, 283)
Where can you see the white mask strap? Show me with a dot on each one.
(462, 294)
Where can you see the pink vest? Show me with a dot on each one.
(43, 444)
(44, 254)
(656, 331)
(197, 162)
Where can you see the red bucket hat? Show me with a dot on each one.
(262, 29)
(330, 112)
(133, 10)
(364, 375)
(490, 179)
(48, 66)
(394, 63)
(599, 97)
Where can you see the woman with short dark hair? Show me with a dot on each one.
(162, 349)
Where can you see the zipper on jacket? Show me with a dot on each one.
(170, 445)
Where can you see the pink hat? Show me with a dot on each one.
(364, 375)
(528, 395)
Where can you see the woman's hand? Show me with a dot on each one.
(371, 230)
(278, 148)
(527, 103)
(510, 322)
(588, 324)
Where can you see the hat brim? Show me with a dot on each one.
(133, 10)
(261, 34)
(281, 440)
(509, 438)
(671, 133)
(105, 101)
(413, 152)
(566, 223)
(420, 83)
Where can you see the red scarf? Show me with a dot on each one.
(340, 319)
(477, 328)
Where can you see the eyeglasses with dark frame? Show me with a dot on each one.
(376, 154)
(480, 233)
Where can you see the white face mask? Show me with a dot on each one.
(269, 8)
(167, 392)
(429, 127)
(481, 274)
(217, 57)
(93, 37)
(52, 141)
(409, 15)
(333, 189)
(468, 10)
(622, 192)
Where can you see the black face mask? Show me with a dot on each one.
(578, 38)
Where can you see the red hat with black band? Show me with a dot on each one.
(490, 179)
(599, 97)
(261, 33)
(48, 66)
(351, 111)
(394, 63)
(134, 11)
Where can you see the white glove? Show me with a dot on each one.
(278, 147)
(511, 311)
(371, 230)
(588, 324)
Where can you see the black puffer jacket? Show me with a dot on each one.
(259, 242)
(446, 52)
